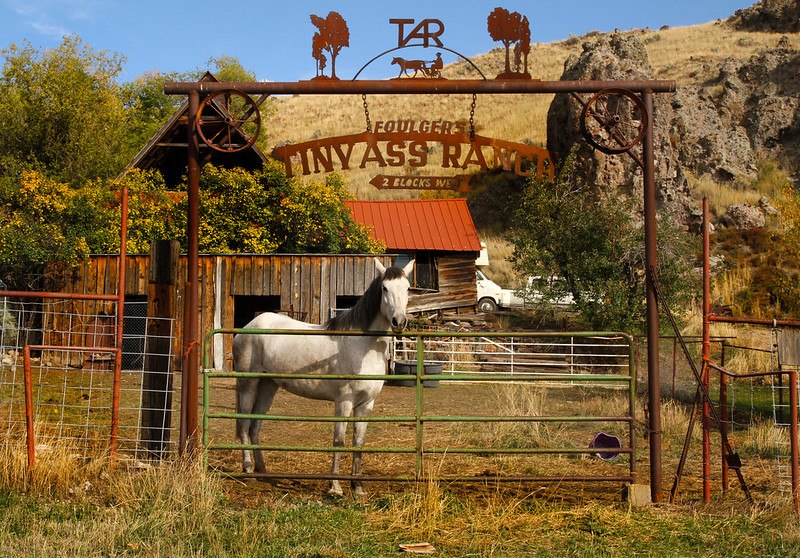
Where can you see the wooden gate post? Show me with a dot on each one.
(157, 383)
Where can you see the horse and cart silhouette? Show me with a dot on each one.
(434, 70)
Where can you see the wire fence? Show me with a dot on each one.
(73, 390)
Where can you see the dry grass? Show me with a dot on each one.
(771, 180)
(720, 195)
(58, 469)
(737, 361)
(685, 54)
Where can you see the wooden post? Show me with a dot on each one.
(157, 383)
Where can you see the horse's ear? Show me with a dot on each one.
(409, 268)
(379, 266)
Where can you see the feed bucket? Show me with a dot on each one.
(605, 441)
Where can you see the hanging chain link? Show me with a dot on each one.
(472, 118)
(366, 112)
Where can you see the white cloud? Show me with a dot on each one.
(54, 18)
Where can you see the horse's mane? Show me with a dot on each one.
(360, 316)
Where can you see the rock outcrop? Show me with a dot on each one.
(775, 16)
(720, 130)
(619, 57)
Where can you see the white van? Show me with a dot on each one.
(491, 296)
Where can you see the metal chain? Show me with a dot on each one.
(366, 112)
(472, 118)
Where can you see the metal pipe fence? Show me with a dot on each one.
(554, 367)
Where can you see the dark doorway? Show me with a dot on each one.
(247, 307)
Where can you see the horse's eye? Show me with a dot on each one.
(384, 288)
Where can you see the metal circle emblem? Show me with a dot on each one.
(614, 120)
(228, 121)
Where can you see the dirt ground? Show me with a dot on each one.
(445, 438)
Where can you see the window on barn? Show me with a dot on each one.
(425, 275)
(247, 307)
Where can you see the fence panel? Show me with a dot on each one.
(499, 401)
(73, 390)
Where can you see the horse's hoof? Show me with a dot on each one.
(335, 491)
(359, 494)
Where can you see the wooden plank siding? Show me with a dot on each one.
(307, 286)
(457, 288)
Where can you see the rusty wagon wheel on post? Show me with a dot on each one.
(228, 121)
(614, 120)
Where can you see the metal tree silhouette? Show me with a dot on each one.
(333, 35)
(508, 28)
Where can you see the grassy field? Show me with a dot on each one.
(180, 511)
(70, 506)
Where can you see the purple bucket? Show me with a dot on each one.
(605, 441)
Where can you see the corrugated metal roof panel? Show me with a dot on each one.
(436, 225)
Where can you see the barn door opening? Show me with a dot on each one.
(247, 307)
(134, 332)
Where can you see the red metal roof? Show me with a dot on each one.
(440, 225)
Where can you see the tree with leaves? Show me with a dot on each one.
(61, 113)
(567, 229)
(264, 212)
(43, 220)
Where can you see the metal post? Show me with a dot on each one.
(653, 374)
(420, 407)
(122, 262)
(706, 354)
(794, 440)
(191, 335)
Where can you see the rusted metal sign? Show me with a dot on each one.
(455, 150)
(459, 183)
(416, 143)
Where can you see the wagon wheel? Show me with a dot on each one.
(614, 120)
(228, 121)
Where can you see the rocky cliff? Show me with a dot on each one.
(720, 129)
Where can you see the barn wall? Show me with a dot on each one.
(457, 288)
(307, 285)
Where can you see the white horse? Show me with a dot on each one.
(380, 308)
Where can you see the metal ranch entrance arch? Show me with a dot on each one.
(642, 90)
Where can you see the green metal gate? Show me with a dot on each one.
(589, 365)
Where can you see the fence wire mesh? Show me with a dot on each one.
(73, 390)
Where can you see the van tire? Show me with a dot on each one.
(487, 305)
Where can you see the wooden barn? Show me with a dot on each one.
(440, 235)
(234, 289)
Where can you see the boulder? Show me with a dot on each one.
(619, 57)
(743, 216)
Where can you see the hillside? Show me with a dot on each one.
(692, 56)
(731, 133)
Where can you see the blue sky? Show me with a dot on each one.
(273, 39)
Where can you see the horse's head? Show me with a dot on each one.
(394, 294)
(397, 60)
